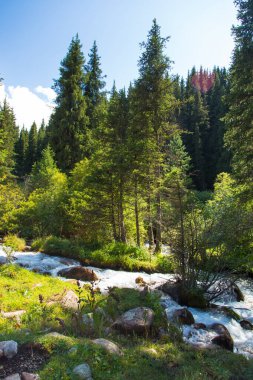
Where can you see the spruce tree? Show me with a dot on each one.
(94, 84)
(217, 156)
(31, 154)
(194, 119)
(154, 101)
(42, 140)
(239, 120)
(69, 136)
(21, 153)
(8, 138)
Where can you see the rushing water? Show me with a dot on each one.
(243, 339)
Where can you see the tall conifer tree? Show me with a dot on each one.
(8, 138)
(154, 102)
(239, 120)
(68, 128)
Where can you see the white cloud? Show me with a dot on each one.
(27, 105)
(48, 92)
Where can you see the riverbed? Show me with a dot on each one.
(243, 339)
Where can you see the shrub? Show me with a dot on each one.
(13, 241)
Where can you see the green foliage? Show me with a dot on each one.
(8, 138)
(121, 300)
(22, 289)
(14, 242)
(11, 197)
(239, 136)
(69, 135)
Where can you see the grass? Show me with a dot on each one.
(148, 358)
(13, 241)
(113, 255)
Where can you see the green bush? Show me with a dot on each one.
(13, 241)
(113, 255)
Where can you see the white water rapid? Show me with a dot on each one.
(243, 339)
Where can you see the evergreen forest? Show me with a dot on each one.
(156, 178)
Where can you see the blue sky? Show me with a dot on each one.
(35, 35)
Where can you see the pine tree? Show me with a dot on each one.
(94, 84)
(8, 138)
(154, 101)
(42, 140)
(239, 120)
(21, 153)
(31, 154)
(217, 156)
(69, 136)
(117, 123)
(194, 120)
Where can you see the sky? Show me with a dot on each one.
(35, 36)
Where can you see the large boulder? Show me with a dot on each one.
(83, 371)
(109, 346)
(13, 314)
(247, 325)
(223, 339)
(70, 300)
(9, 348)
(183, 316)
(78, 273)
(185, 297)
(67, 299)
(238, 293)
(135, 321)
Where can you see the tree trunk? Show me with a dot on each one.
(113, 222)
(136, 210)
(122, 228)
(158, 246)
(150, 224)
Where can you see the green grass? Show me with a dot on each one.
(113, 255)
(13, 241)
(144, 358)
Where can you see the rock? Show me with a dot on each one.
(27, 248)
(73, 350)
(173, 289)
(109, 346)
(83, 371)
(247, 325)
(13, 314)
(192, 297)
(13, 377)
(29, 376)
(1, 353)
(238, 293)
(230, 313)
(183, 316)
(88, 320)
(78, 273)
(199, 326)
(70, 300)
(224, 338)
(140, 281)
(9, 348)
(219, 328)
(55, 334)
(138, 320)
(66, 261)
